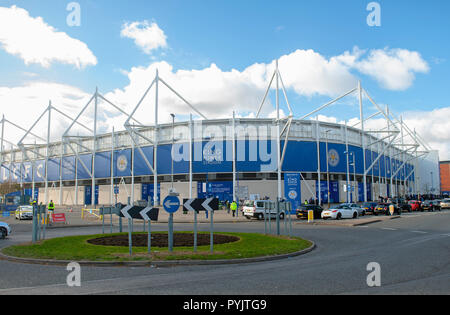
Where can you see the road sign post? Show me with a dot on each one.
(207, 205)
(211, 238)
(265, 219)
(195, 231)
(170, 233)
(139, 213)
(45, 221)
(34, 229)
(278, 216)
(171, 205)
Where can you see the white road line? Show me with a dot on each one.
(389, 229)
(421, 232)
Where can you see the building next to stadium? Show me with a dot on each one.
(445, 177)
(232, 159)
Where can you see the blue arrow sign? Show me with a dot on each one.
(171, 204)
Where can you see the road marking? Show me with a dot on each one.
(421, 232)
(389, 229)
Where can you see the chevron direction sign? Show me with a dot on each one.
(140, 213)
(199, 204)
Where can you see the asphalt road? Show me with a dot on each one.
(413, 253)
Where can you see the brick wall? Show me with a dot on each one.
(445, 176)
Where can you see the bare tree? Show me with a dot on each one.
(8, 187)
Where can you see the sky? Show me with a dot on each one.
(220, 55)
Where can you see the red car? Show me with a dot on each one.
(415, 205)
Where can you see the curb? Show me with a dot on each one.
(73, 226)
(378, 220)
(50, 262)
(318, 223)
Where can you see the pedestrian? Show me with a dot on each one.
(51, 210)
(233, 208)
(51, 207)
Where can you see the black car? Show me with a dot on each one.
(384, 208)
(369, 207)
(431, 205)
(402, 204)
(302, 211)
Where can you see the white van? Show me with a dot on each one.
(255, 209)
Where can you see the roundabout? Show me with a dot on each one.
(112, 250)
(161, 240)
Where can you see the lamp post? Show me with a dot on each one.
(348, 174)
(432, 188)
(328, 169)
(173, 140)
(354, 174)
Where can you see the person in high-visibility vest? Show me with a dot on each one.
(233, 208)
(51, 207)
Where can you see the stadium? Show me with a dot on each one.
(290, 158)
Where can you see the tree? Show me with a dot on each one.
(8, 187)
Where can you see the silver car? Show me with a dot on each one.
(361, 211)
(24, 213)
(5, 230)
(445, 204)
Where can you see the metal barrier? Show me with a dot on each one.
(97, 213)
(277, 208)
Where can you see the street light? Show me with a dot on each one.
(328, 170)
(173, 140)
(354, 175)
(347, 178)
(348, 175)
(432, 188)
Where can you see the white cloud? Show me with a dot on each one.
(309, 73)
(23, 105)
(146, 36)
(433, 126)
(213, 91)
(217, 93)
(36, 42)
(394, 69)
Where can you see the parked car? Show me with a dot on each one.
(384, 208)
(302, 211)
(369, 207)
(402, 204)
(361, 211)
(415, 205)
(5, 230)
(255, 209)
(341, 212)
(431, 205)
(445, 204)
(24, 213)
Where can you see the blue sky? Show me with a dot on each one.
(238, 34)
